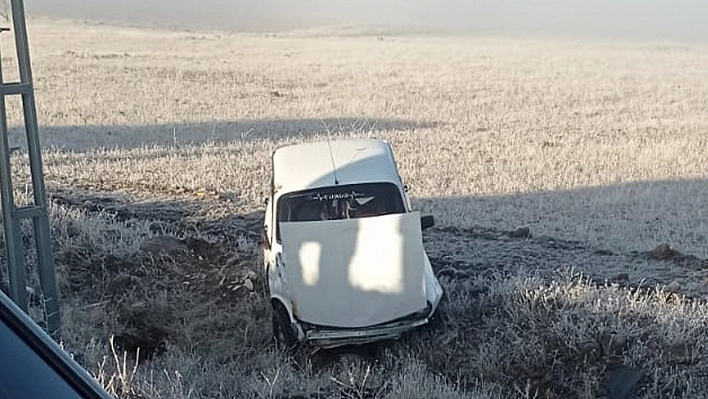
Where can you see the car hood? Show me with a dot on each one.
(355, 272)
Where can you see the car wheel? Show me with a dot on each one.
(283, 330)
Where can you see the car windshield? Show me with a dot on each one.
(340, 202)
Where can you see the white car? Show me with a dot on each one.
(343, 251)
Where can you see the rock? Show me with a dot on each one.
(621, 278)
(680, 353)
(674, 287)
(164, 246)
(621, 382)
(248, 283)
(662, 252)
(521, 232)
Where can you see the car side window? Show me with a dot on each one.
(25, 375)
(32, 365)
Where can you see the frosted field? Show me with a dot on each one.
(599, 145)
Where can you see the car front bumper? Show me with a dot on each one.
(331, 338)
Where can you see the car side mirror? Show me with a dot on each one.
(426, 222)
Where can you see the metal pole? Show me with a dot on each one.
(43, 244)
(12, 215)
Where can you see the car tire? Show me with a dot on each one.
(283, 330)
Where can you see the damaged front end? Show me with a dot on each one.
(356, 281)
(329, 337)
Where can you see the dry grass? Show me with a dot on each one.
(602, 143)
(499, 120)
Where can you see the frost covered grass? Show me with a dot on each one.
(150, 133)
(595, 141)
(562, 336)
(501, 336)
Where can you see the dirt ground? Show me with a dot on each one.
(209, 264)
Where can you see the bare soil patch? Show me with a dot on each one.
(174, 285)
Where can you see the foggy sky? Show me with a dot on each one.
(623, 19)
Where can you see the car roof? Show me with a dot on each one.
(336, 162)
